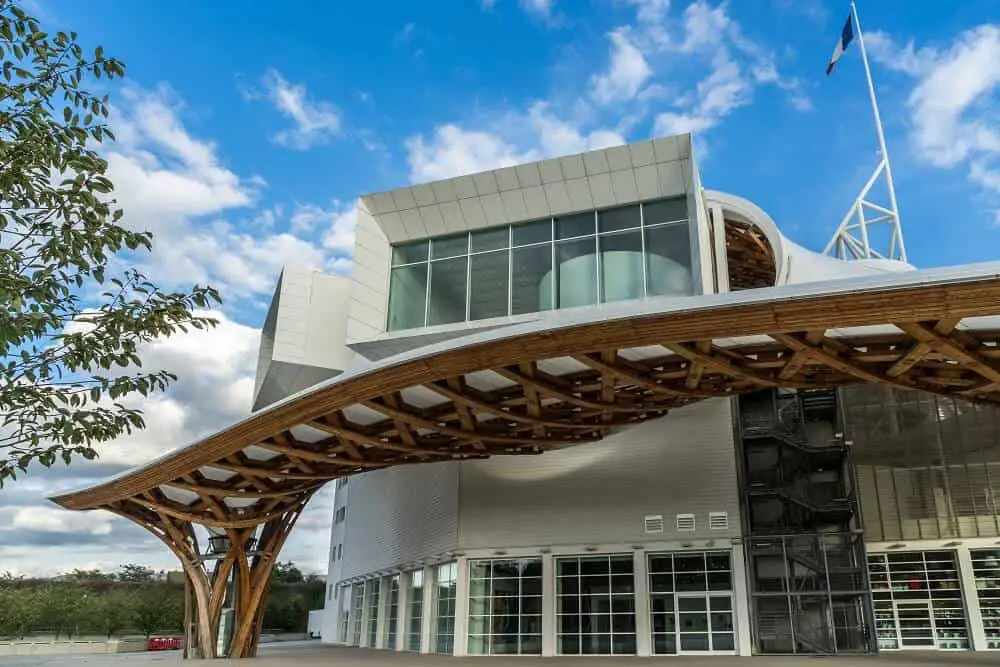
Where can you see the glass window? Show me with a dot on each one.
(357, 612)
(407, 297)
(919, 600)
(578, 224)
(665, 210)
(488, 285)
(595, 605)
(415, 617)
(445, 591)
(447, 294)
(528, 233)
(986, 570)
(668, 260)
(510, 269)
(690, 611)
(577, 272)
(409, 253)
(621, 266)
(343, 633)
(372, 589)
(531, 290)
(490, 239)
(505, 606)
(617, 219)
(450, 246)
(393, 612)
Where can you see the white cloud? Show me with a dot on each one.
(954, 101)
(56, 520)
(542, 8)
(626, 74)
(513, 139)
(452, 151)
(313, 122)
(169, 182)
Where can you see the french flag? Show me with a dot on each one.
(846, 35)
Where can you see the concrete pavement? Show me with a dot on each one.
(313, 654)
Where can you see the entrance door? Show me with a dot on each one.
(704, 623)
(916, 624)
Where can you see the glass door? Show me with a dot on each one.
(916, 624)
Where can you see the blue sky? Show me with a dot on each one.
(247, 130)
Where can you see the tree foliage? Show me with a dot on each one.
(116, 604)
(74, 317)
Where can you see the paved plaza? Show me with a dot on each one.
(309, 654)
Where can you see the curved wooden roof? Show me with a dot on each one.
(566, 379)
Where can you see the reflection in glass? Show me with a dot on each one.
(668, 260)
(576, 266)
(447, 296)
(505, 614)
(621, 266)
(531, 266)
(449, 246)
(578, 224)
(617, 219)
(407, 297)
(488, 285)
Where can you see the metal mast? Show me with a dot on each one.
(851, 240)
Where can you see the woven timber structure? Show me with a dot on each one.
(525, 391)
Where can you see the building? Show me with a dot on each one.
(769, 523)
(737, 459)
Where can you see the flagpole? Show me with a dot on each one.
(865, 212)
(897, 236)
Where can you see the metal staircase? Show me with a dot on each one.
(805, 555)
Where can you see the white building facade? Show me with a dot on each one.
(731, 526)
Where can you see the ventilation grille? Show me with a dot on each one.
(653, 523)
(718, 520)
(685, 522)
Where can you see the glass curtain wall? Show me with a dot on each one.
(505, 607)
(986, 570)
(415, 616)
(691, 602)
(357, 612)
(445, 593)
(594, 257)
(928, 467)
(918, 600)
(595, 605)
(392, 612)
(373, 588)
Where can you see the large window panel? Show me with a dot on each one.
(668, 260)
(595, 605)
(618, 219)
(450, 246)
(407, 297)
(505, 607)
(531, 290)
(372, 587)
(576, 263)
(447, 294)
(409, 253)
(664, 210)
(415, 616)
(490, 239)
(578, 224)
(621, 266)
(529, 233)
(489, 284)
(357, 612)
(393, 612)
(445, 593)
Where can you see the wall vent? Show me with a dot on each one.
(685, 522)
(653, 523)
(718, 520)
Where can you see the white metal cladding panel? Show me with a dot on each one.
(398, 515)
(600, 493)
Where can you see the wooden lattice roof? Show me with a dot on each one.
(568, 379)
